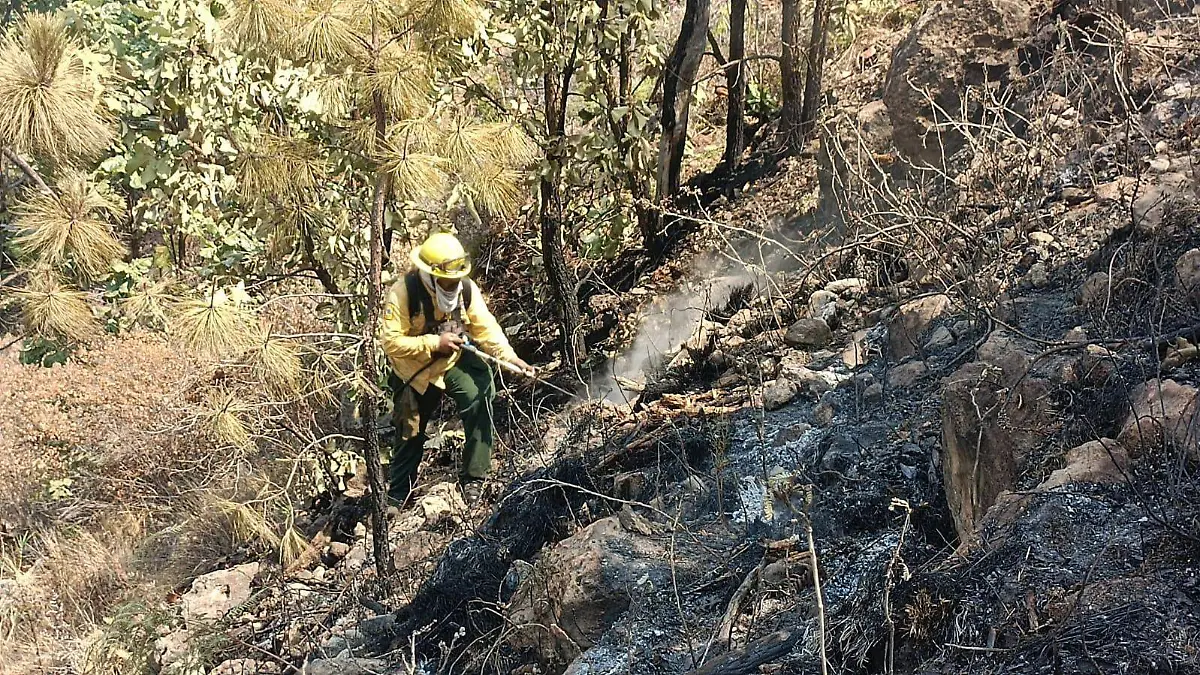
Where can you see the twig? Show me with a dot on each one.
(28, 170)
(969, 648)
(887, 589)
(816, 577)
(725, 626)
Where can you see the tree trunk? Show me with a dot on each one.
(816, 65)
(790, 85)
(558, 273)
(678, 78)
(735, 75)
(368, 403)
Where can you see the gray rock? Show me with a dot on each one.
(778, 393)
(851, 287)
(906, 375)
(1039, 275)
(1041, 238)
(962, 328)
(907, 327)
(824, 305)
(939, 340)
(808, 334)
(1093, 294)
(873, 393)
(214, 594)
(344, 665)
(823, 414)
(1187, 275)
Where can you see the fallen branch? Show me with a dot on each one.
(725, 626)
(747, 660)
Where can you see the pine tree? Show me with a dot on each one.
(382, 62)
(49, 119)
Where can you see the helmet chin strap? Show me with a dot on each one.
(446, 300)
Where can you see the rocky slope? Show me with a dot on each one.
(959, 436)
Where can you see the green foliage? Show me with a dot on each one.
(608, 158)
(44, 352)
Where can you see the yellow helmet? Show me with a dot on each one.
(443, 256)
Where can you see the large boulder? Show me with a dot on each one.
(907, 327)
(994, 414)
(1162, 412)
(581, 587)
(213, 595)
(952, 46)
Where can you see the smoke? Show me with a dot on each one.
(671, 320)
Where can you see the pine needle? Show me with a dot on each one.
(280, 167)
(336, 95)
(401, 79)
(498, 191)
(276, 363)
(389, 15)
(454, 19)
(247, 524)
(214, 326)
(148, 304)
(465, 144)
(260, 23)
(508, 143)
(225, 413)
(66, 230)
(47, 95)
(50, 308)
(326, 378)
(418, 134)
(325, 34)
(292, 545)
(415, 176)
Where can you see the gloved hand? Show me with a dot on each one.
(449, 343)
(520, 363)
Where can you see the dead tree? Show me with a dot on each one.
(735, 74)
(679, 76)
(816, 65)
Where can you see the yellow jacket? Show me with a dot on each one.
(408, 349)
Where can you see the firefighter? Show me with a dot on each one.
(426, 315)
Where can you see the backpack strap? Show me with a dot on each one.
(467, 288)
(419, 300)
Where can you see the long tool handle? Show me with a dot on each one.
(513, 368)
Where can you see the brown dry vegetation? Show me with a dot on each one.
(120, 483)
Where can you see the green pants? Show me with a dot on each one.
(469, 384)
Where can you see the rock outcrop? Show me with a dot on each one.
(954, 45)
(580, 587)
(994, 413)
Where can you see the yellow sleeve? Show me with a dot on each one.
(484, 330)
(396, 325)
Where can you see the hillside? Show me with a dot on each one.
(917, 397)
